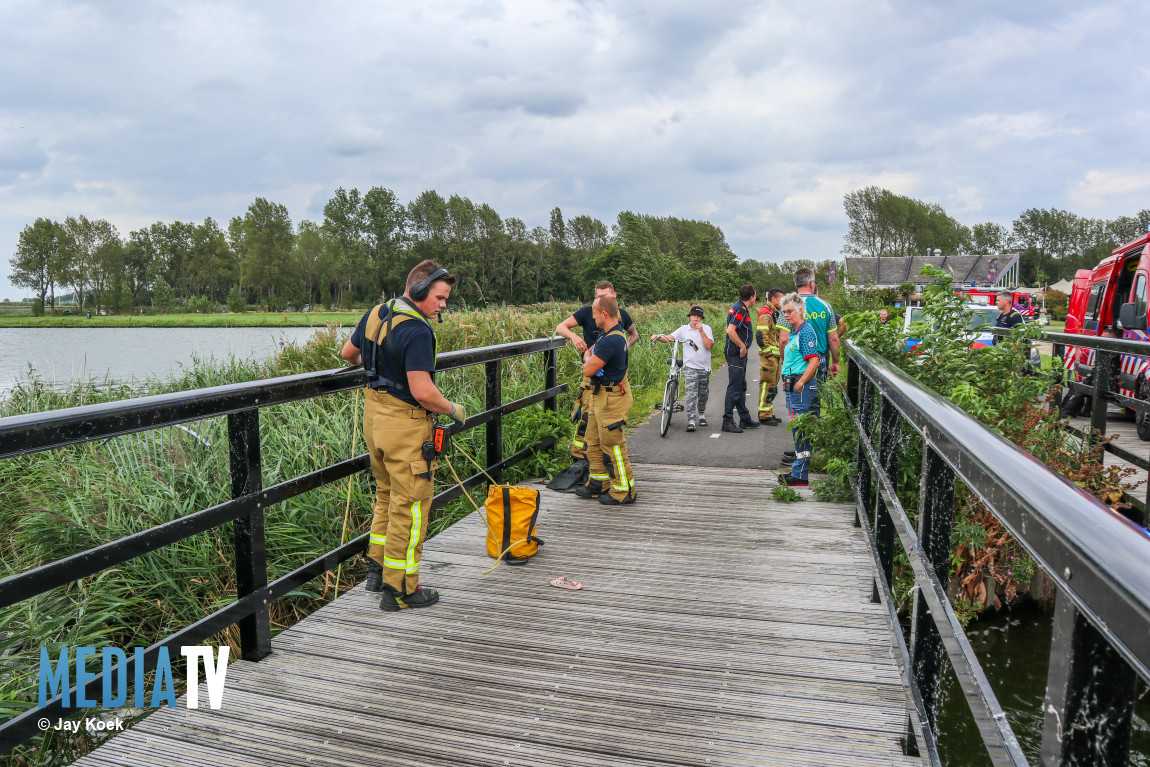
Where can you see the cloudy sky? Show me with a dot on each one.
(757, 116)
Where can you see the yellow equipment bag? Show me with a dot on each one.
(511, 516)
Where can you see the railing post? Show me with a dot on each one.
(248, 530)
(494, 379)
(1089, 695)
(549, 378)
(888, 440)
(935, 523)
(864, 477)
(1101, 398)
(852, 382)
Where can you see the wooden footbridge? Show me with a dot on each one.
(715, 626)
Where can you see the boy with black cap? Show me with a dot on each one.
(697, 340)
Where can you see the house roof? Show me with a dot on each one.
(892, 271)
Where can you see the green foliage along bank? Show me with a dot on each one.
(988, 567)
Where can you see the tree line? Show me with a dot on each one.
(363, 249)
(1052, 244)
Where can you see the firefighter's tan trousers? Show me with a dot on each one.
(580, 413)
(769, 369)
(606, 444)
(395, 432)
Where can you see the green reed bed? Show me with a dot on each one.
(61, 502)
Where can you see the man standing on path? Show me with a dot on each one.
(697, 340)
(737, 347)
(606, 367)
(770, 357)
(395, 343)
(584, 317)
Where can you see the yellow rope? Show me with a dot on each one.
(350, 481)
(482, 516)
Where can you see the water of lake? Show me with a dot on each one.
(60, 355)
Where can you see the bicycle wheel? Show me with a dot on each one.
(668, 405)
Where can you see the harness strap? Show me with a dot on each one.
(396, 313)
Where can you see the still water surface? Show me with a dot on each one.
(60, 355)
(1014, 650)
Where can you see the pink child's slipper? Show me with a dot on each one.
(563, 582)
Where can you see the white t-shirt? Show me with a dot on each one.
(695, 354)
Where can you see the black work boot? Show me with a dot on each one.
(590, 490)
(609, 500)
(423, 596)
(374, 580)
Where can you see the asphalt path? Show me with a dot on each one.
(759, 448)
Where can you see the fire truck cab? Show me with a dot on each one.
(1113, 296)
(1023, 302)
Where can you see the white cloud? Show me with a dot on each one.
(1101, 191)
(758, 115)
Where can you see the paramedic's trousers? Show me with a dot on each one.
(799, 402)
(769, 367)
(395, 432)
(606, 445)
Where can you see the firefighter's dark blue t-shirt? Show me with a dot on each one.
(739, 316)
(613, 351)
(586, 319)
(414, 345)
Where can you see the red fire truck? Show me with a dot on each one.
(1023, 302)
(1112, 296)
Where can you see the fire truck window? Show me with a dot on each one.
(1140, 296)
(1125, 282)
(1096, 292)
(1091, 318)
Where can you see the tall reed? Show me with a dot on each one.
(61, 502)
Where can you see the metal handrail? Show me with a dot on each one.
(1095, 556)
(1103, 393)
(241, 402)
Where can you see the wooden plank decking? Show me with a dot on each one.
(716, 627)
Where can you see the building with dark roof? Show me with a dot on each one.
(996, 270)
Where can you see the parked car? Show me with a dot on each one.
(306, 308)
(980, 320)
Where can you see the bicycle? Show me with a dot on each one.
(670, 405)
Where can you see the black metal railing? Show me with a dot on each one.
(1096, 558)
(1104, 378)
(241, 404)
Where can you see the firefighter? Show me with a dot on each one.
(610, 477)
(738, 346)
(585, 318)
(395, 343)
(767, 336)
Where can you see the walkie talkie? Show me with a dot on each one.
(434, 448)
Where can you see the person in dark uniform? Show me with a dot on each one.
(610, 475)
(584, 318)
(740, 328)
(1008, 316)
(395, 343)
